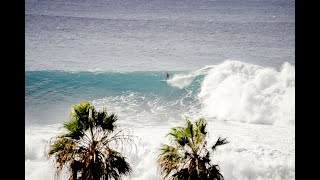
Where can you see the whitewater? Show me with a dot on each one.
(231, 62)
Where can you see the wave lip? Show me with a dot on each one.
(183, 80)
(249, 93)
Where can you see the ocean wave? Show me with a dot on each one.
(246, 95)
(232, 91)
(249, 93)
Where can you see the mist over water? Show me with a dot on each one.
(231, 62)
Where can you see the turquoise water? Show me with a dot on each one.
(232, 62)
(253, 106)
(53, 92)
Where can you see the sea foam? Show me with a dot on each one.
(257, 101)
(245, 92)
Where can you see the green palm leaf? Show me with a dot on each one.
(188, 157)
(84, 149)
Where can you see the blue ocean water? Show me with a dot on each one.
(230, 61)
(152, 35)
(53, 92)
(237, 99)
(232, 90)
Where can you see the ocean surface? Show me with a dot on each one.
(231, 62)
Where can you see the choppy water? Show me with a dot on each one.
(231, 62)
(134, 35)
(235, 97)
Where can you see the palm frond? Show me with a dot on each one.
(201, 126)
(168, 159)
(189, 131)
(220, 141)
(181, 174)
(84, 149)
(179, 135)
(106, 122)
(63, 150)
(213, 172)
(189, 158)
(119, 163)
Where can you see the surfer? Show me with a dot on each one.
(167, 77)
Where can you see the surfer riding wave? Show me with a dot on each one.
(167, 76)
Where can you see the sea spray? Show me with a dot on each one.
(239, 92)
(244, 92)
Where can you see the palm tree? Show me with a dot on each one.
(85, 147)
(188, 157)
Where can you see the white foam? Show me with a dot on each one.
(244, 92)
(233, 91)
(255, 151)
(185, 79)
